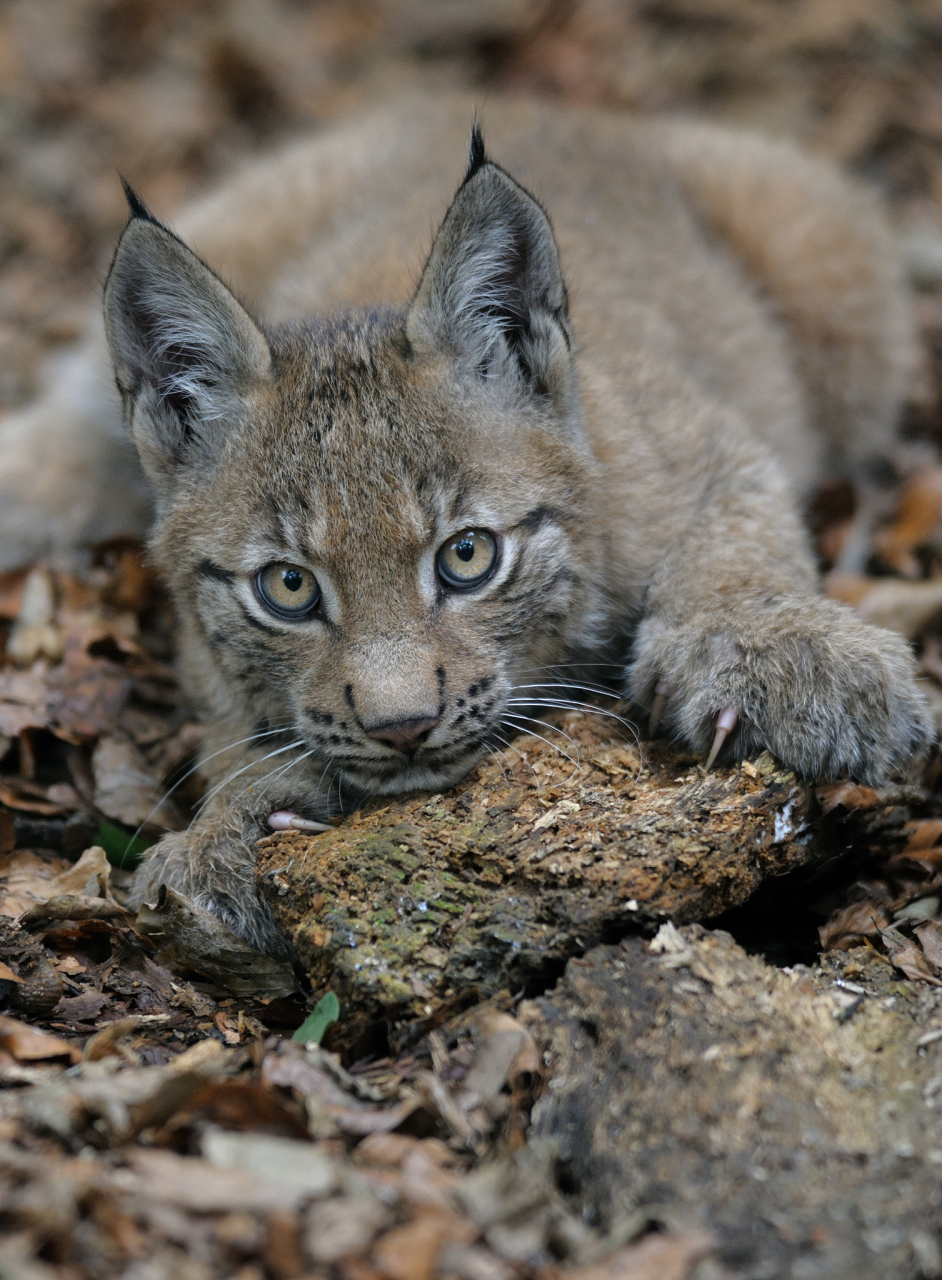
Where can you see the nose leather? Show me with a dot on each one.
(404, 735)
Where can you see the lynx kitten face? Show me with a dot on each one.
(375, 525)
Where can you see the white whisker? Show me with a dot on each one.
(272, 776)
(253, 737)
(239, 772)
(510, 747)
(522, 724)
(569, 704)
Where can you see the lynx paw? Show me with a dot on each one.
(215, 870)
(828, 694)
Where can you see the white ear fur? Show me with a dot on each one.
(492, 294)
(184, 350)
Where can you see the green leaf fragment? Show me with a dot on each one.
(326, 1012)
(122, 851)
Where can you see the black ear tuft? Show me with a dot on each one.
(477, 156)
(136, 206)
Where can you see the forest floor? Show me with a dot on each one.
(525, 1072)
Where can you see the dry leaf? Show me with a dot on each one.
(239, 1105)
(35, 633)
(410, 1252)
(919, 512)
(906, 955)
(197, 940)
(850, 925)
(905, 607)
(504, 1051)
(847, 795)
(350, 1114)
(930, 939)
(7, 974)
(201, 1187)
(104, 1044)
(57, 890)
(343, 1226)
(25, 879)
(125, 790)
(656, 1257)
(75, 906)
(83, 1008)
(19, 793)
(29, 1044)
(298, 1167)
(923, 834)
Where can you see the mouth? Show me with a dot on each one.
(421, 770)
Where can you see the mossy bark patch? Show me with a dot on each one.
(420, 905)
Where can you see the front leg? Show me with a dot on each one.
(734, 631)
(213, 862)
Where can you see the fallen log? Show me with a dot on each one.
(414, 908)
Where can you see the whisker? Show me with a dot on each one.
(516, 715)
(253, 737)
(239, 772)
(562, 685)
(569, 704)
(577, 666)
(496, 751)
(271, 775)
(591, 709)
(552, 745)
(510, 747)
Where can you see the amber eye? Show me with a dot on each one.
(467, 558)
(288, 590)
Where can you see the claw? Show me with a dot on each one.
(661, 693)
(725, 724)
(285, 820)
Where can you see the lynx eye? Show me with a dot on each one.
(288, 590)
(467, 558)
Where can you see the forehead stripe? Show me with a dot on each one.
(541, 516)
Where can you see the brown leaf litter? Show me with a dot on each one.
(276, 1153)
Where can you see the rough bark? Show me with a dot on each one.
(415, 907)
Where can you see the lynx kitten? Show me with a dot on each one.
(382, 524)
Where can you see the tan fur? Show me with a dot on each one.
(739, 327)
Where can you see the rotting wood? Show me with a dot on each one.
(417, 906)
(793, 1113)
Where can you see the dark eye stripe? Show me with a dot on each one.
(206, 569)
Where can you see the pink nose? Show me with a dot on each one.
(404, 735)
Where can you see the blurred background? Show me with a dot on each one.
(172, 93)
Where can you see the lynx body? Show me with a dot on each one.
(390, 512)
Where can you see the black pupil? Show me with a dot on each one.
(464, 549)
(292, 579)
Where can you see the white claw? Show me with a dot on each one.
(661, 693)
(725, 723)
(285, 820)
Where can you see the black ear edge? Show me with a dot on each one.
(136, 206)
(477, 154)
(478, 159)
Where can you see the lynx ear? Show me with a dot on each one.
(492, 294)
(185, 351)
